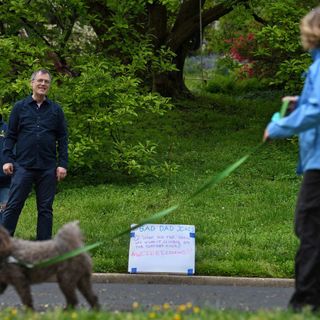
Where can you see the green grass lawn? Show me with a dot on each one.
(244, 226)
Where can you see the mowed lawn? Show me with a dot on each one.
(244, 225)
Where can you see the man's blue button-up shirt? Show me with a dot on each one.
(38, 134)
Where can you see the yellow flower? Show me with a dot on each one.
(74, 315)
(177, 317)
(166, 306)
(135, 305)
(152, 315)
(182, 308)
(14, 312)
(156, 308)
(196, 309)
(189, 305)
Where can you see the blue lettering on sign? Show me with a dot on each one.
(147, 228)
(184, 228)
(165, 227)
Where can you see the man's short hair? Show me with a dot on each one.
(42, 71)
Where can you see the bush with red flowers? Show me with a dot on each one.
(242, 50)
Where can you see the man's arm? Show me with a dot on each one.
(10, 140)
(62, 141)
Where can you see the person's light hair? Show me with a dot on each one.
(42, 71)
(310, 29)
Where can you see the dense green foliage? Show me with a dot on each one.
(103, 57)
(264, 42)
(100, 94)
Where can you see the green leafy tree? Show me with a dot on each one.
(101, 95)
(276, 51)
(153, 35)
(106, 58)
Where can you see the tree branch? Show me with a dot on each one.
(98, 9)
(57, 18)
(25, 21)
(255, 16)
(259, 19)
(188, 9)
(189, 27)
(157, 22)
(69, 30)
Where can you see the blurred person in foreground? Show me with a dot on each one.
(304, 121)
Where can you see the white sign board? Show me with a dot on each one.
(168, 248)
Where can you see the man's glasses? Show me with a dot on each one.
(45, 81)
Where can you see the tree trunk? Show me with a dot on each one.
(171, 84)
(183, 38)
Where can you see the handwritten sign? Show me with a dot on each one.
(168, 248)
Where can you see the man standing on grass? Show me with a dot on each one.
(37, 130)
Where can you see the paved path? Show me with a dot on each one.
(119, 292)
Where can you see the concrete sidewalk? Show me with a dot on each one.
(190, 280)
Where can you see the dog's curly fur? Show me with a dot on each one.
(71, 274)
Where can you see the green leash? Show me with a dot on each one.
(284, 108)
(209, 184)
(65, 256)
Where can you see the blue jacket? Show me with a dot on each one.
(304, 120)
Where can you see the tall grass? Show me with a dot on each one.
(243, 225)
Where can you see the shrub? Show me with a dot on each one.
(221, 84)
(105, 97)
(139, 160)
(230, 84)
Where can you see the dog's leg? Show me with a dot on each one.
(85, 287)
(23, 289)
(68, 288)
(3, 287)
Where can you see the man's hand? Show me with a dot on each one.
(8, 169)
(61, 173)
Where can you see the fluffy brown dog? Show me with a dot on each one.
(71, 274)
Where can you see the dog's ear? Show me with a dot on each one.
(5, 243)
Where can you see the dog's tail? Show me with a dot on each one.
(70, 236)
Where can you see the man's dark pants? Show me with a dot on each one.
(307, 228)
(21, 185)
